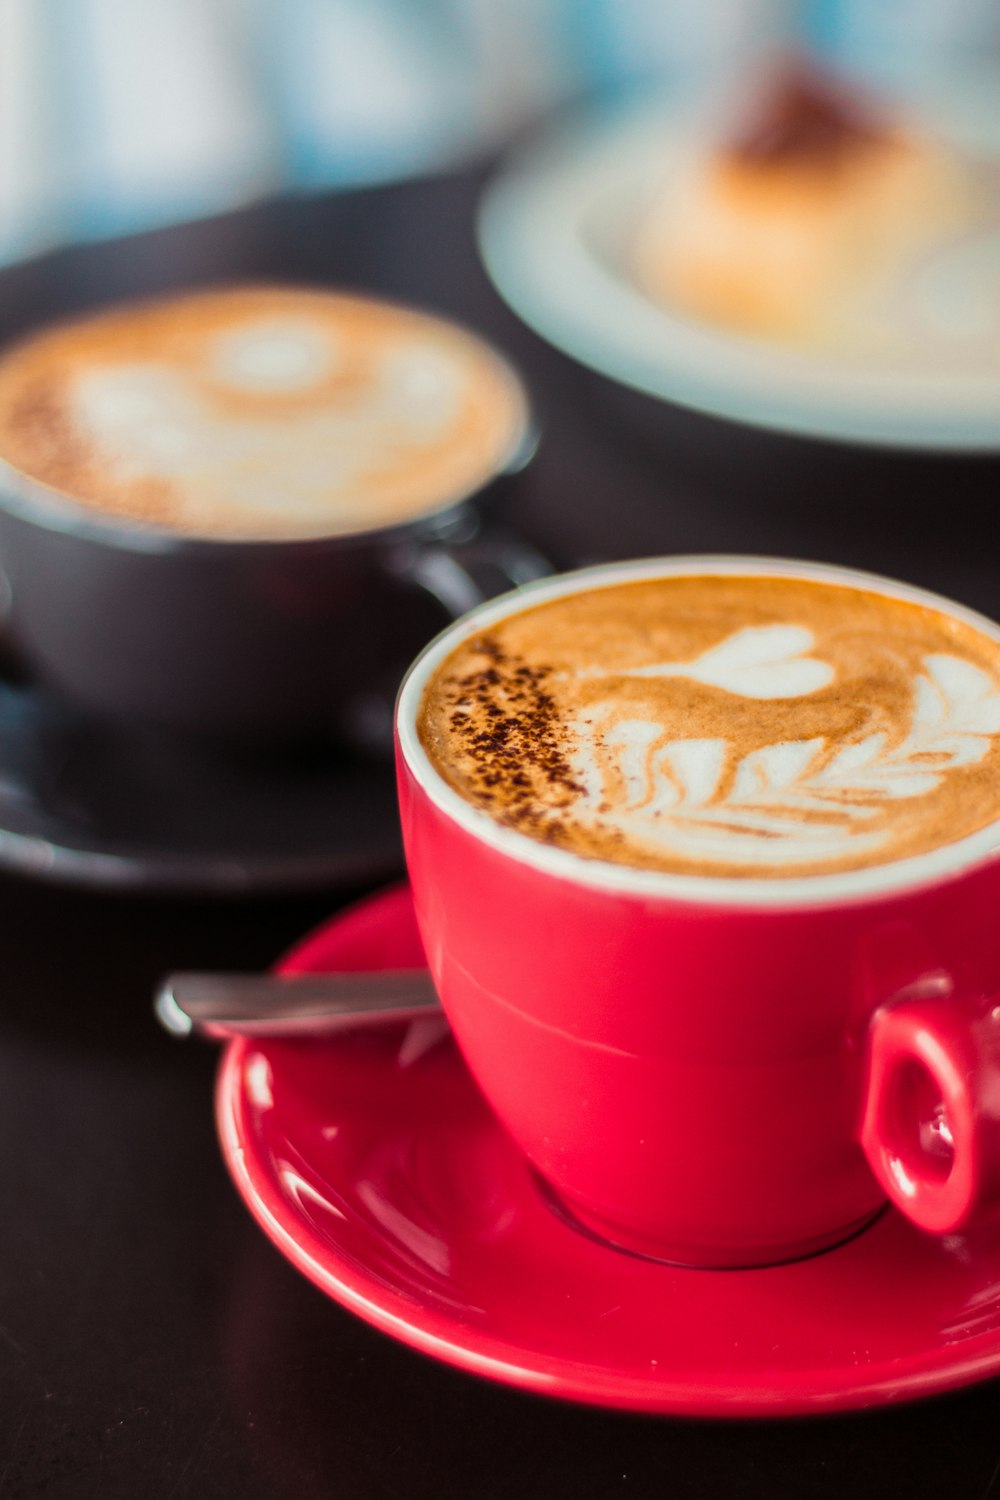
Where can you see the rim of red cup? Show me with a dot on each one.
(891, 878)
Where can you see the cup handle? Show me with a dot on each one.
(11, 666)
(462, 574)
(931, 1117)
(458, 572)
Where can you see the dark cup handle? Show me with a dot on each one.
(460, 575)
(11, 667)
(457, 573)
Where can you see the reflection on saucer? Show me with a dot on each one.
(375, 1167)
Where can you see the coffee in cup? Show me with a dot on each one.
(263, 412)
(705, 854)
(236, 513)
(725, 725)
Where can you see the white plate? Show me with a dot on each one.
(554, 228)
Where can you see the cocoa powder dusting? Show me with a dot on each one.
(510, 740)
(40, 421)
(39, 426)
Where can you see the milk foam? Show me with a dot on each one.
(804, 797)
(274, 356)
(263, 411)
(762, 661)
(799, 745)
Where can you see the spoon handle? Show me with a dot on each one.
(275, 1005)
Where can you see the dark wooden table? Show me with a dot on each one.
(152, 1343)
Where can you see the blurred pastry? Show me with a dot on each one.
(813, 198)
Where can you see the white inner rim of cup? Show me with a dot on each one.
(886, 879)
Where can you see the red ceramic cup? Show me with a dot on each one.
(713, 1071)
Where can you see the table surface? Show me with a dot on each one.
(152, 1342)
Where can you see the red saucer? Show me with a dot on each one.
(376, 1168)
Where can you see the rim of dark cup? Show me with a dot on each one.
(41, 504)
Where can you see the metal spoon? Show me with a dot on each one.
(275, 1005)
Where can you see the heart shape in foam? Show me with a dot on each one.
(760, 661)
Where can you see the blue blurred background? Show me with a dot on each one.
(117, 115)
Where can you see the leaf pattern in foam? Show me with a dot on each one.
(794, 800)
(633, 738)
(690, 771)
(774, 768)
(967, 694)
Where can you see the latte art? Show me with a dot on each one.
(789, 727)
(803, 799)
(260, 411)
(762, 661)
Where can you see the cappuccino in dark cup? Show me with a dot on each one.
(237, 512)
(259, 412)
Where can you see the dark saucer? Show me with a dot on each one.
(110, 808)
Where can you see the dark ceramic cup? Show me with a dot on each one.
(236, 639)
